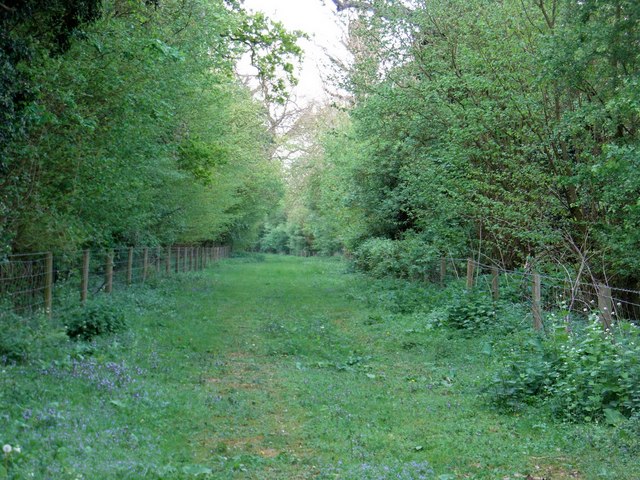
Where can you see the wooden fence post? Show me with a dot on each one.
(470, 272)
(167, 261)
(177, 268)
(145, 264)
(84, 281)
(605, 305)
(108, 285)
(495, 283)
(537, 302)
(130, 267)
(48, 284)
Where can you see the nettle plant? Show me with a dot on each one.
(472, 311)
(590, 374)
(598, 373)
(98, 317)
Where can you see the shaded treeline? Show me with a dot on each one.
(506, 130)
(123, 122)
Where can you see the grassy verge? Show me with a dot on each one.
(285, 368)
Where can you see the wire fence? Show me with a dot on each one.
(571, 295)
(44, 283)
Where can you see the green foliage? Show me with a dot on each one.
(511, 130)
(126, 123)
(373, 387)
(474, 311)
(378, 257)
(97, 317)
(584, 376)
(627, 436)
(275, 239)
(200, 158)
(16, 339)
(410, 257)
(526, 375)
(372, 471)
(400, 297)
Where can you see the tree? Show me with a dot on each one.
(135, 128)
(508, 129)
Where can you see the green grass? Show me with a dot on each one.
(281, 369)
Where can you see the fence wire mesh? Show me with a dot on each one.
(570, 295)
(44, 283)
(29, 285)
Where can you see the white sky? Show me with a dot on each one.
(324, 29)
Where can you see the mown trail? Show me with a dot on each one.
(307, 375)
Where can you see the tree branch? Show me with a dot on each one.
(346, 4)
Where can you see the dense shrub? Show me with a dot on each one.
(586, 375)
(377, 256)
(410, 257)
(415, 256)
(297, 242)
(275, 239)
(98, 317)
(248, 257)
(526, 374)
(472, 311)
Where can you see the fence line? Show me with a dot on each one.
(44, 283)
(572, 297)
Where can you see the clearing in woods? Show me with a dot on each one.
(271, 367)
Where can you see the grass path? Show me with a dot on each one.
(310, 377)
(285, 368)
